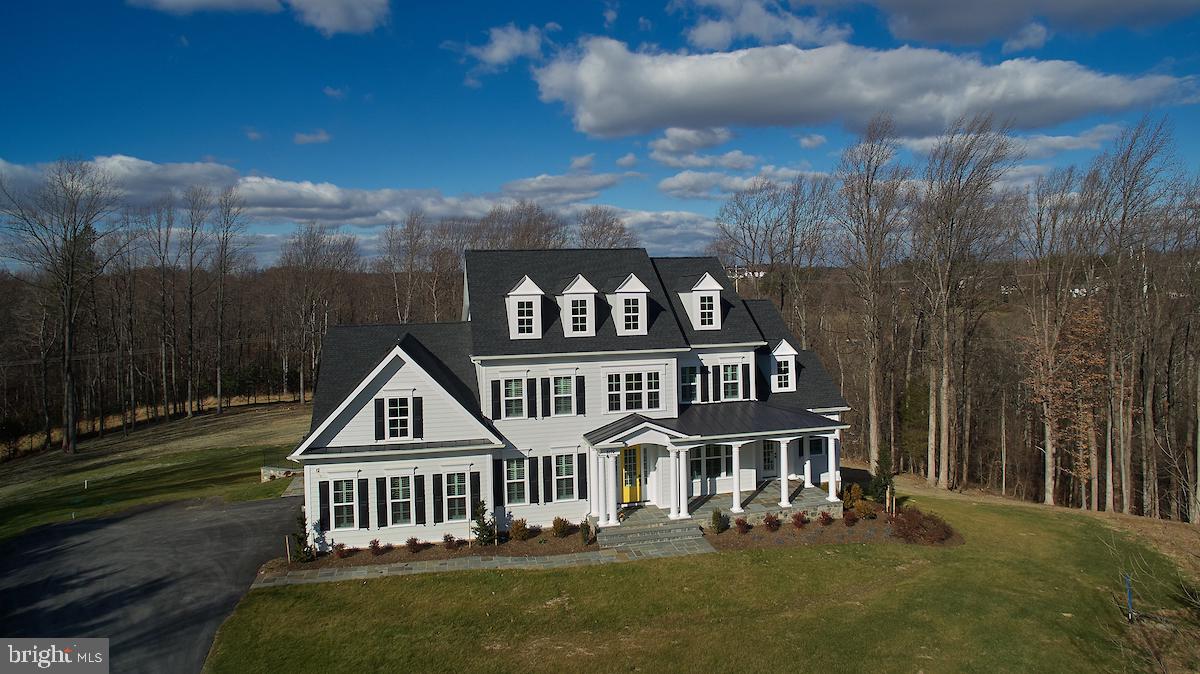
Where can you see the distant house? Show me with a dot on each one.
(579, 383)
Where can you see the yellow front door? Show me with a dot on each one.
(631, 474)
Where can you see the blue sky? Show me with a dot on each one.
(354, 112)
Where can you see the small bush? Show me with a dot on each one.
(825, 518)
(850, 518)
(585, 532)
(413, 545)
(865, 510)
(800, 519)
(376, 547)
(340, 550)
(771, 522)
(878, 487)
(519, 530)
(741, 525)
(914, 526)
(719, 521)
(450, 542)
(852, 494)
(560, 528)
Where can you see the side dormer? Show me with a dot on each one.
(783, 367)
(703, 303)
(577, 303)
(628, 304)
(524, 304)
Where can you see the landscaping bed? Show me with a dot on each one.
(864, 522)
(759, 536)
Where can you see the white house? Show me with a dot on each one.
(578, 383)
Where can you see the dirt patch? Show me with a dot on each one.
(542, 544)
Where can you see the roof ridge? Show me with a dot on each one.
(400, 325)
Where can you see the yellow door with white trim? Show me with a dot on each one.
(631, 474)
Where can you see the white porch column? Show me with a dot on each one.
(600, 490)
(785, 488)
(684, 481)
(673, 482)
(614, 480)
(737, 477)
(808, 483)
(832, 471)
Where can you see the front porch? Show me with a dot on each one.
(764, 499)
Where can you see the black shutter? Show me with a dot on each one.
(547, 479)
(546, 411)
(476, 497)
(379, 419)
(716, 383)
(364, 503)
(703, 384)
(323, 490)
(745, 381)
(495, 398)
(764, 384)
(581, 471)
(381, 502)
(531, 397)
(437, 499)
(533, 480)
(497, 485)
(580, 407)
(420, 504)
(418, 414)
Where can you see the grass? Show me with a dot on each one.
(1030, 590)
(204, 457)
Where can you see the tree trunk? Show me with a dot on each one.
(1048, 454)
(1093, 462)
(1003, 444)
(873, 402)
(944, 408)
(1150, 498)
(931, 446)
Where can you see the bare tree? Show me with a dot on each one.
(53, 229)
(198, 206)
(404, 249)
(228, 228)
(600, 227)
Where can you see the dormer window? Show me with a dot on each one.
(524, 308)
(783, 367)
(783, 374)
(632, 313)
(708, 310)
(628, 304)
(577, 308)
(703, 303)
(524, 317)
(579, 316)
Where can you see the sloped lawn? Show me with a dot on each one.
(1028, 590)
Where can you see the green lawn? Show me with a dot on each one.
(1030, 590)
(197, 458)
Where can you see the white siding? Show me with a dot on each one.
(722, 356)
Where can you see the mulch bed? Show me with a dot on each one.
(759, 537)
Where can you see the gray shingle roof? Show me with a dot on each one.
(398, 447)
(814, 388)
(723, 419)
(491, 273)
(679, 274)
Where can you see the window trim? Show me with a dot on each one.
(334, 504)
(530, 318)
(411, 500)
(387, 418)
(574, 303)
(623, 391)
(523, 481)
(573, 477)
(505, 398)
(784, 381)
(703, 454)
(711, 297)
(555, 395)
(465, 496)
(737, 381)
(636, 314)
(694, 383)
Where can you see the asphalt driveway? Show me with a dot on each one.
(157, 582)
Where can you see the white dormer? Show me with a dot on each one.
(628, 303)
(578, 308)
(524, 304)
(703, 303)
(783, 367)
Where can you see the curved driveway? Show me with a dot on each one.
(156, 581)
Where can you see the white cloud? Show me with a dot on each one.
(253, 133)
(561, 189)
(644, 23)
(627, 160)
(328, 16)
(717, 185)
(610, 15)
(335, 92)
(1037, 145)
(583, 162)
(612, 91)
(677, 149)
(504, 45)
(811, 141)
(1032, 36)
(763, 21)
(190, 6)
(318, 136)
(670, 232)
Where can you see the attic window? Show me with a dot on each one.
(524, 317)
(783, 374)
(579, 315)
(632, 314)
(708, 311)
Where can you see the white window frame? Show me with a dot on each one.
(392, 501)
(579, 321)
(465, 496)
(702, 455)
(817, 445)
(711, 323)
(631, 308)
(737, 380)
(529, 321)
(334, 504)
(555, 396)
(505, 398)
(786, 380)
(694, 383)
(571, 477)
(523, 480)
(388, 417)
(624, 379)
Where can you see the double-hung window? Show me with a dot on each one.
(564, 477)
(783, 374)
(397, 418)
(579, 315)
(711, 461)
(632, 309)
(564, 396)
(456, 497)
(343, 504)
(514, 398)
(708, 310)
(731, 382)
(524, 317)
(689, 383)
(653, 395)
(400, 499)
(514, 481)
(634, 391)
(614, 393)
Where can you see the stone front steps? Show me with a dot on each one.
(634, 533)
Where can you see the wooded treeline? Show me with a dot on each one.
(1040, 340)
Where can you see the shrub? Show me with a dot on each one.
(449, 542)
(719, 521)
(413, 545)
(483, 527)
(850, 518)
(865, 510)
(302, 549)
(741, 525)
(825, 518)
(771, 522)
(852, 494)
(878, 486)
(560, 528)
(340, 550)
(519, 530)
(585, 532)
(914, 526)
(800, 519)
(376, 547)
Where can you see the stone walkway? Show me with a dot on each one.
(294, 488)
(483, 562)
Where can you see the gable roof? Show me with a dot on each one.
(680, 275)
(491, 272)
(814, 388)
